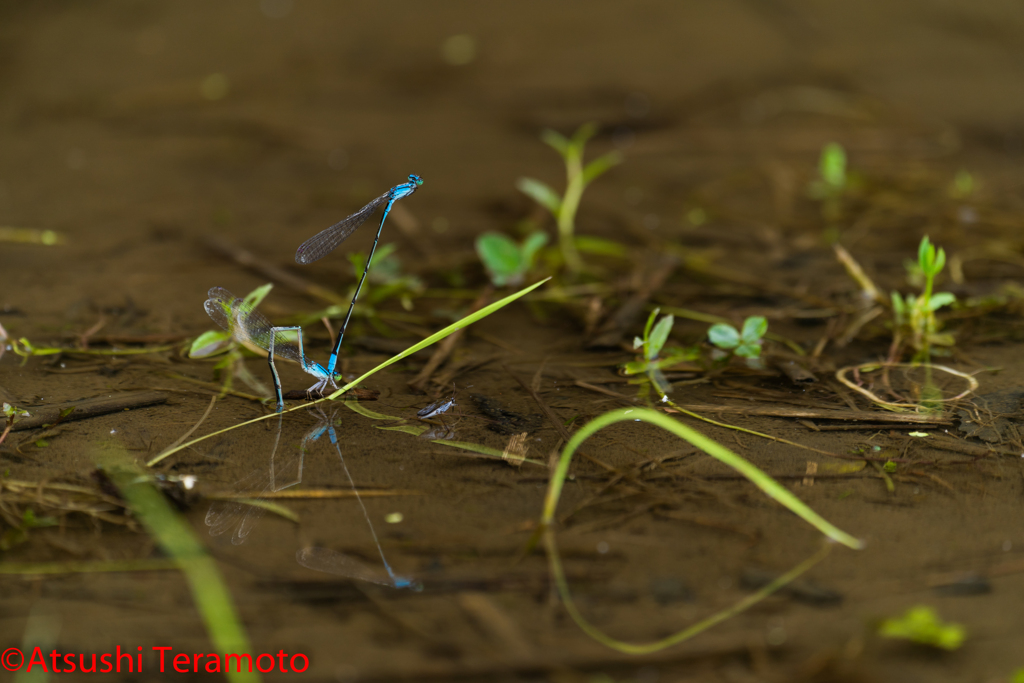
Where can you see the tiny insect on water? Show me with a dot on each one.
(437, 408)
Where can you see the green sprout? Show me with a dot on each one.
(922, 625)
(651, 345)
(507, 262)
(915, 315)
(385, 280)
(578, 177)
(745, 344)
(832, 183)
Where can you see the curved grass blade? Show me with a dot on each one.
(764, 482)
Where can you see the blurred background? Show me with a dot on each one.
(135, 127)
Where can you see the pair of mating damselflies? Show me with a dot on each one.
(249, 325)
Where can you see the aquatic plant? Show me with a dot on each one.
(506, 261)
(914, 316)
(921, 624)
(830, 187)
(578, 177)
(651, 345)
(746, 343)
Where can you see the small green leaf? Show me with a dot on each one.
(634, 367)
(600, 165)
(650, 324)
(540, 193)
(500, 255)
(925, 253)
(256, 296)
(42, 443)
(582, 134)
(940, 261)
(659, 336)
(555, 140)
(746, 350)
(833, 165)
(939, 300)
(724, 336)
(754, 328)
(637, 343)
(899, 308)
(531, 245)
(209, 343)
(921, 624)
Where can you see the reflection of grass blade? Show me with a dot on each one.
(629, 648)
(177, 540)
(458, 325)
(771, 487)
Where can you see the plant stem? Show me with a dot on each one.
(567, 212)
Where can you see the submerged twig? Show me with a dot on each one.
(79, 410)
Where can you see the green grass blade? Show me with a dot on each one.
(438, 336)
(771, 487)
(176, 539)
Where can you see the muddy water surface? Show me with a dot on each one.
(147, 135)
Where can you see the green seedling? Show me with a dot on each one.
(578, 177)
(914, 316)
(507, 262)
(746, 343)
(650, 346)
(832, 184)
(921, 624)
(385, 279)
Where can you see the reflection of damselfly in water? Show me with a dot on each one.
(240, 516)
(333, 562)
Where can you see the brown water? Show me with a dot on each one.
(139, 131)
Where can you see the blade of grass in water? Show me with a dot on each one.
(176, 538)
(772, 488)
(437, 336)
